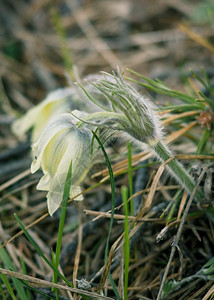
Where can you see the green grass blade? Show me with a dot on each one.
(35, 290)
(2, 291)
(184, 107)
(112, 191)
(39, 251)
(124, 192)
(200, 79)
(24, 270)
(203, 141)
(8, 286)
(163, 89)
(129, 147)
(175, 201)
(62, 219)
(9, 265)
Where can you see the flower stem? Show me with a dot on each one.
(176, 169)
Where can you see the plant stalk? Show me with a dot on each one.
(176, 169)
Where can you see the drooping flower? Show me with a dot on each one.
(61, 143)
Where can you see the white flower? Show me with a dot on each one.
(39, 116)
(61, 142)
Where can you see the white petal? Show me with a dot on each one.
(78, 151)
(59, 94)
(38, 116)
(55, 150)
(49, 112)
(57, 124)
(20, 126)
(54, 200)
(44, 183)
(76, 190)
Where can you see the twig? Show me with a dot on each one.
(14, 180)
(45, 283)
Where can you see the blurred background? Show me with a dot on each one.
(40, 40)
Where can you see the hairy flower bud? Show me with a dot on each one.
(133, 113)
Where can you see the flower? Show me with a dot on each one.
(56, 102)
(61, 142)
(38, 117)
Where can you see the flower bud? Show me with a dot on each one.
(133, 113)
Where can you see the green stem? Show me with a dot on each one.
(176, 169)
(124, 192)
(129, 147)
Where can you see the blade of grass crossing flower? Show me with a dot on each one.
(112, 191)
(124, 192)
(129, 147)
(62, 221)
(9, 265)
(112, 208)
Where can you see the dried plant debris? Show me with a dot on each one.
(163, 247)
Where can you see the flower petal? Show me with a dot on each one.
(59, 123)
(76, 191)
(37, 117)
